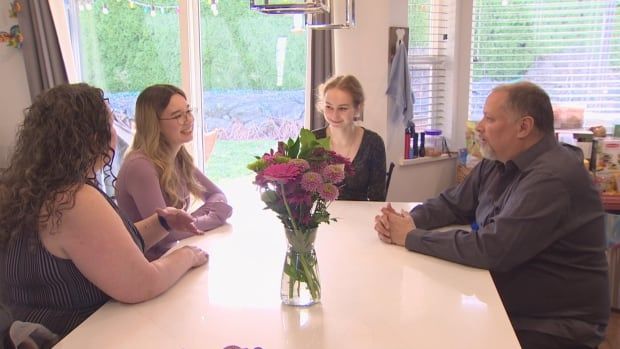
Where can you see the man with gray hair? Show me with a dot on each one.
(538, 218)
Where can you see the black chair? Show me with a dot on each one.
(389, 177)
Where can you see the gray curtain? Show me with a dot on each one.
(44, 64)
(321, 65)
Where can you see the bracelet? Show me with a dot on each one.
(163, 222)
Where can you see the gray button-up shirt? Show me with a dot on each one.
(540, 231)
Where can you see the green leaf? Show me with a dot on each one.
(257, 165)
(308, 143)
(269, 196)
(282, 159)
(306, 136)
(292, 148)
(324, 143)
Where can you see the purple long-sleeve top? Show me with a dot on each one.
(139, 193)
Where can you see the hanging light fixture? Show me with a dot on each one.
(307, 8)
(283, 7)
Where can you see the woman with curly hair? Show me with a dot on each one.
(158, 171)
(341, 100)
(65, 249)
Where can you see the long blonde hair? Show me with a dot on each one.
(149, 106)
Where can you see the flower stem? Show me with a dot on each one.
(307, 270)
(288, 209)
(310, 278)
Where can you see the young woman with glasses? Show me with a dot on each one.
(158, 171)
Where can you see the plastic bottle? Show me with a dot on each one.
(407, 150)
(422, 150)
(434, 143)
(414, 146)
(409, 131)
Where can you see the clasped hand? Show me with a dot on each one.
(392, 227)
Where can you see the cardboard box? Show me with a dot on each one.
(608, 154)
(608, 165)
(567, 116)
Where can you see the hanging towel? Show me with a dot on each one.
(399, 86)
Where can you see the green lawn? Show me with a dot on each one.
(229, 158)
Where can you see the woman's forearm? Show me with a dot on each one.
(164, 272)
(151, 230)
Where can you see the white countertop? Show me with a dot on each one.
(373, 295)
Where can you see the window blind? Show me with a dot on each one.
(427, 59)
(569, 48)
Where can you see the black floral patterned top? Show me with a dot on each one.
(368, 183)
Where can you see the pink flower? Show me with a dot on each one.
(281, 173)
(333, 173)
(301, 163)
(311, 181)
(328, 192)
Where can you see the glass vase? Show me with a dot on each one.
(300, 276)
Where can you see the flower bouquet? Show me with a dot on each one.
(298, 181)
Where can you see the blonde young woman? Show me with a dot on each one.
(341, 99)
(158, 171)
(65, 249)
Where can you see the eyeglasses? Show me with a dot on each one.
(181, 116)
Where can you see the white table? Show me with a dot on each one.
(373, 296)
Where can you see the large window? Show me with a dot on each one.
(251, 70)
(123, 47)
(254, 71)
(428, 38)
(570, 48)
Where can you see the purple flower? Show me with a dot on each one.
(334, 158)
(311, 181)
(281, 173)
(328, 192)
(333, 173)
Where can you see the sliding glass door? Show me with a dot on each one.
(254, 71)
(243, 71)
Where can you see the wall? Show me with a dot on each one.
(14, 94)
(363, 51)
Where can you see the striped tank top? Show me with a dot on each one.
(42, 288)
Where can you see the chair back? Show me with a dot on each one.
(389, 177)
(209, 139)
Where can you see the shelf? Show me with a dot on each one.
(611, 202)
(426, 159)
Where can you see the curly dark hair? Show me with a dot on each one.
(65, 133)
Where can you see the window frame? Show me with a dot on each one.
(457, 55)
(600, 114)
